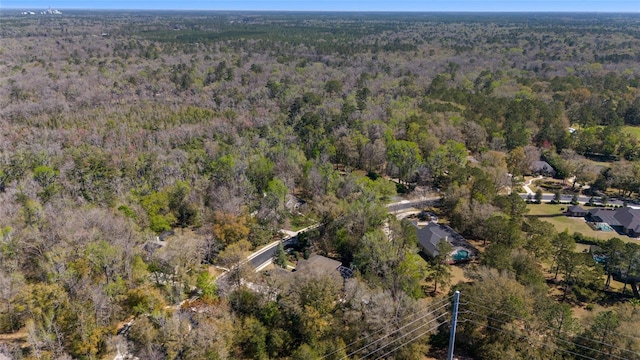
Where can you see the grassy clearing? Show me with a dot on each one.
(552, 213)
(634, 130)
(457, 277)
(214, 271)
(299, 222)
(582, 248)
(543, 210)
(599, 165)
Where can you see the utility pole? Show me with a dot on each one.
(454, 322)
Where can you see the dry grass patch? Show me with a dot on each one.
(457, 275)
(582, 248)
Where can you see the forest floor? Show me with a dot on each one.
(18, 337)
(583, 310)
(457, 274)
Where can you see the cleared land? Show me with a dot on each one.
(553, 213)
(635, 130)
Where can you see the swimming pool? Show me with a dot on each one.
(460, 255)
(600, 259)
(604, 227)
(600, 226)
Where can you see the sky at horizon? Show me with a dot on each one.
(623, 6)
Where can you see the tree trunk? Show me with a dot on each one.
(560, 325)
(564, 292)
(626, 279)
(634, 288)
(106, 273)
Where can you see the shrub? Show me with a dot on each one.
(127, 211)
(587, 240)
(401, 189)
(551, 186)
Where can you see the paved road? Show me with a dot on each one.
(564, 198)
(413, 204)
(567, 198)
(263, 257)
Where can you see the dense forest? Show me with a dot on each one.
(144, 153)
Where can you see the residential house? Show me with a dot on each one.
(542, 168)
(430, 235)
(629, 221)
(319, 263)
(576, 211)
(624, 220)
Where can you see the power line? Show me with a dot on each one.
(410, 332)
(380, 330)
(553, 329)
(556, 330)
(543, 343)
(395, 331)
(513, 316)
(415, 338)
(560, 339)
(466, 316)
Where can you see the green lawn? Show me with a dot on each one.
(635, 130)
(546, 209)
(298, 222)
(552, 214)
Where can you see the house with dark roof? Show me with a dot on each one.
(576, 211)
(430, 235)
(603, 215)
(542, 168)
(629, 221)
(319, 263)
(624, 220)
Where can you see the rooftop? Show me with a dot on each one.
(605, 215)
(576, 208)
(430, 235)
(318, 262)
